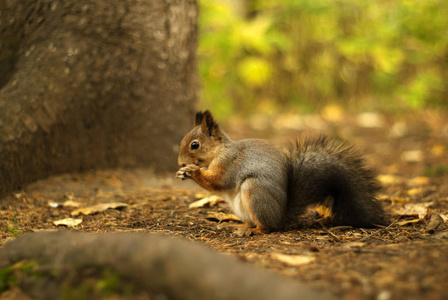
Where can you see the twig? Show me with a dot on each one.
(331, 233)
(359, 250)
(340, 228)
(376, 232)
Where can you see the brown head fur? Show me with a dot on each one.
(199, 145)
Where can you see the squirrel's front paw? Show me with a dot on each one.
(186, 172)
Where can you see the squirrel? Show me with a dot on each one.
(269, 188)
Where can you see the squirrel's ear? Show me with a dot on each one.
(198, 118)
(209, 126)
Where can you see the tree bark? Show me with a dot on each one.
(93, 84)
(160, 266)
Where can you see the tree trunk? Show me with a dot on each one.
(93, 84)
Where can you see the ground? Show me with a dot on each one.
(406, 260)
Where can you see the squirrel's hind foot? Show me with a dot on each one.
(244, 230)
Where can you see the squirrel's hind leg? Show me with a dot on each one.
(243, 206)
(264, 205)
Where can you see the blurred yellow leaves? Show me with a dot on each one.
(383, 54)
(254, 71)
(252, 35)
(333, 113)
(438, 150)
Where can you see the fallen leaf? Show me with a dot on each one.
(418, 181)
(412, 156)
(17, 195)
(407, 222)
(206, 202)
(435, 223)
(98, 208)
(383, 197)
(444, 217)
(400, 199)
(222, 217)
(353, 245)
(398, 130)
(69, 222)
(416, 191)
(71, 203)
(200, 196)
(293, 260)
(333, 113)
(67, 203)
(414, 209)
(438, 150)
(441, 235)
(370, 120)
(388, 179)
(70, 196)
(53, 204)
(393, 199)
(43, 230)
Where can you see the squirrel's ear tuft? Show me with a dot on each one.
(198, 118)
(209, 125)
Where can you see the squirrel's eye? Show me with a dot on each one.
(194, 145)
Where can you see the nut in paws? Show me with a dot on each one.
(186, 172)
(181, 175)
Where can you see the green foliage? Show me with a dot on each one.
(10, 276)
(305, 53)
(109, 284)
(7, 279)
(436, 171)
(14, 229)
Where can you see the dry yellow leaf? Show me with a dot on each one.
(421, 180)
(399, 199)
(293, 260)
(69, 222)
(370, 120)
(205, 202)
(388, 179)
(438, 150)
(200, 196)
(407, 222)
(333, 113)
(98, 208)
(414, 209)
(220, 217)
(71, 203)
(353, 245)
(412, 156)
(53, 204)
(436, 223)
(416, 191)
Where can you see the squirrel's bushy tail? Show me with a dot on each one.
(320, 170)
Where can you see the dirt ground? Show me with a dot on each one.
(407, 260)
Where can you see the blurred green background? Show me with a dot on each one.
(270, 56)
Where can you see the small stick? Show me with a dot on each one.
(340, 227)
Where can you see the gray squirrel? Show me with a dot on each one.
(269, 188)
